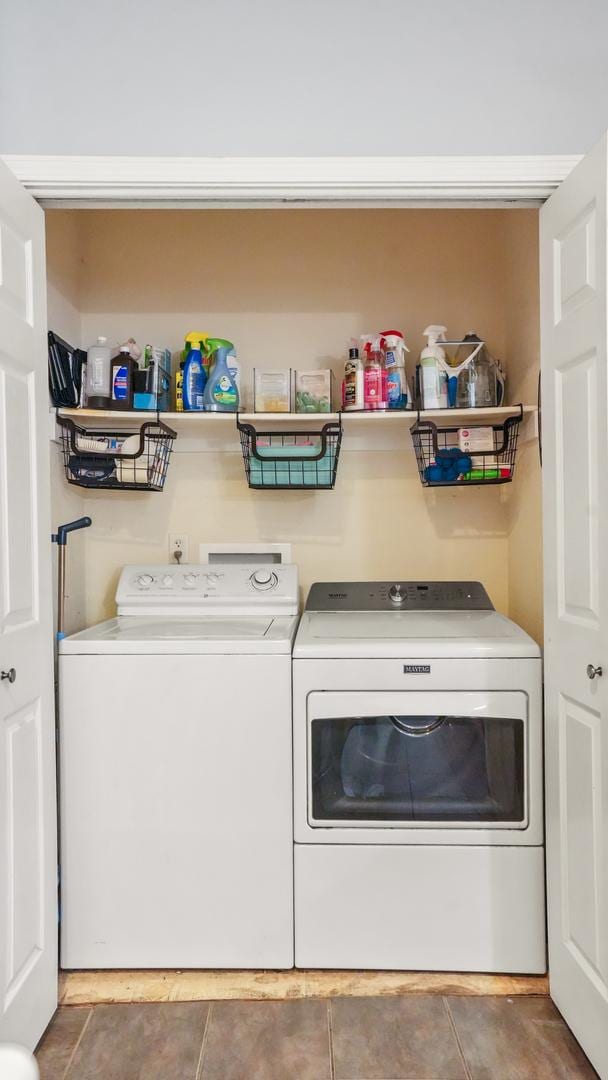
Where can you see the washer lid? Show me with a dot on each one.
(418, 634)
(182, 635)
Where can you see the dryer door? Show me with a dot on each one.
(418, 760)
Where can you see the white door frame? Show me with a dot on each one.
(72, 181)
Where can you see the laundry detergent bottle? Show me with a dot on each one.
(221, 393)
(193, 387)
(433, 370)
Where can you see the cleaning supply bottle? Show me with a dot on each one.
(235, 370)
(221, 394)
(99, 374)
(396, 381)
(480, 382)
(123, 369)
(433, 370)
(196, 339)
(352, 397)
(179, 387)
(211, 346)
(374, 376)
(195, 378)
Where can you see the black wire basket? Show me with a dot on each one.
(303, 460)
(443, 463)
(117, 460)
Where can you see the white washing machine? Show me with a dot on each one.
(175, 772)
(418, 795)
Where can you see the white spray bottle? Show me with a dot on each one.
(433, 370)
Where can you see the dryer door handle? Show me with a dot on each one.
(417, 729)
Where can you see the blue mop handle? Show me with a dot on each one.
(61, 536)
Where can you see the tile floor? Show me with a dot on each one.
(421, 1037)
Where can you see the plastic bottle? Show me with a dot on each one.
(353, 397)
(433, 373)
(196, 339)
(179, 388)
(194, 380)
(235, 370)
(374, 376)
(211, 346)
(480, 380)
(123, 368)
(396, 380)
(99, 358)
(221, 393)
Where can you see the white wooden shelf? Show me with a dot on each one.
(463, 416)
(365, 432)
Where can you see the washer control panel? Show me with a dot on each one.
(398, 596)
(210, 586)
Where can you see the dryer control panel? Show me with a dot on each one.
(208, 588)
(398, 596)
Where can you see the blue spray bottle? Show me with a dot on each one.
(221, 393)
(194, 381)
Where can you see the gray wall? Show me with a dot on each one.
(310, 77)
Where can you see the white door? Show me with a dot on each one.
(574, 286)
(28, 862)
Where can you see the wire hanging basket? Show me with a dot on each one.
(117, 460)
(442, 461)
(305, 460)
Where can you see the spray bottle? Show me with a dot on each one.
(221, 393)
(396, 380)
(433, 370)
(375, 393)
(211, 346)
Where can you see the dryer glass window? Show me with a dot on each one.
(418, 768)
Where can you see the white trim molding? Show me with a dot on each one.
(278, 181)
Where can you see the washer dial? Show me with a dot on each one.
(263, 580)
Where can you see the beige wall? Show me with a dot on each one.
(290, 287)
(523, 359)
(64, 263)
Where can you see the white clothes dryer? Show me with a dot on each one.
(175, 772)
(418, 792)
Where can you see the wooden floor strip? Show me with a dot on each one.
(97, 987)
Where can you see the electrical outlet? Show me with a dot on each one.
(178, 543)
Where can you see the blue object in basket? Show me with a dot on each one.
(449, 465)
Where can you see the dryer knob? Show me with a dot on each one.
(396, 594)
(144, 580)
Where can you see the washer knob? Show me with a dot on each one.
(190, 579)
(145, 580)
(396, 594)
(263, 579)
(167, 581)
